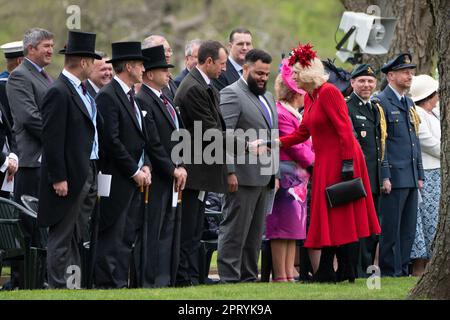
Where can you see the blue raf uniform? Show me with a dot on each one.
(402, 164)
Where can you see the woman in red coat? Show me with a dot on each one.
(338, 157)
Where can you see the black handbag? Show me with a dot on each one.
(345, 192)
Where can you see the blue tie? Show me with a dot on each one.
(266, 113)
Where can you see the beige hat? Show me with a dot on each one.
(422, 86)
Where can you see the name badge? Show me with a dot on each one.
(395, 112)
(361, 117)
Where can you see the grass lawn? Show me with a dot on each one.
(391, 289)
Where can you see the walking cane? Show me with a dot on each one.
(176, 240)
(144, 237)
(93, 243)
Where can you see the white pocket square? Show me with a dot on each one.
(144, 113)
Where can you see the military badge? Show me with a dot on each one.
(407, 59)
(363, 134)
(369, 70)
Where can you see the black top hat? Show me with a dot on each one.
(81, 44)
(156, 58)
(402, 61)
(126, 51)
(363, 70)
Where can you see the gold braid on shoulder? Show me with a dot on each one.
(415, 118)
(383, 129)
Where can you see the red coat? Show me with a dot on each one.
(327, 121)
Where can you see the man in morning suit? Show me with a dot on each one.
(101, 75)
(199, 104)
(70, 137)
(8, 158)
(240, 43)
(401, 170)
(157, 40)
(123, 156)
(162, 120)
(190, 59)
(369, 124)
(246, 105)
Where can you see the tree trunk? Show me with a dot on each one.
(435, 283)
(412, 32)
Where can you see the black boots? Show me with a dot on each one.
(326, 273)
(347, 258)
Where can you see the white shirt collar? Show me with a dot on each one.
(205, 77)
(96, 89)
(236, 65)
(157, 92)
(72, 78)
(124, 86)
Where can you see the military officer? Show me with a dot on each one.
(401, 171)
(369, 124)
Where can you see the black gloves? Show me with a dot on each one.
(347, 169)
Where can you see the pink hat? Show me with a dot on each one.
(286, 75)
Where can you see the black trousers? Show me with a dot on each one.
(163, 240)
(398, 225)
(26, 181)
(115, 244)
(367, 246)
(192, 217)
(66, 237)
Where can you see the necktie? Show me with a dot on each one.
(168, 106)
(404, 103)
(83, 87)
(266, 113)
(46, 76)
(132, 94)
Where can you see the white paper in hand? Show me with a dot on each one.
(104, 184)
(174, 197)
(201, 196)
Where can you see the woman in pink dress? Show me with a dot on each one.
(287, 222)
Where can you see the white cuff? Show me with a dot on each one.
(134, 175)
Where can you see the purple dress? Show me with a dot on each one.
(288, 217)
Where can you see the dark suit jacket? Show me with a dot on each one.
(122, 144)
(6, 136)
(200, 102)
(181, 76)
(4, 101)
(367, 127)
(170, 93)
(90, 89)
(160, 127)
(226, 78)
(67, 136)
(26, 88)
(403, 158)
